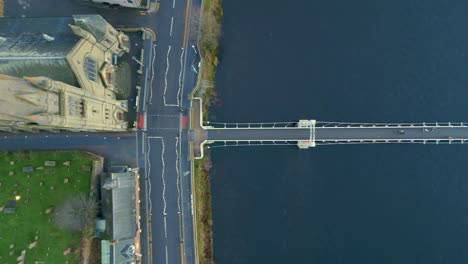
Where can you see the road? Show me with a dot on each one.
(109, 145)
(161, 150)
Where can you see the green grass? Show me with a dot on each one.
(203, 210)
(20, 228)
(209, 48)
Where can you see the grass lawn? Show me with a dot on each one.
(203, 210)
(30, 218)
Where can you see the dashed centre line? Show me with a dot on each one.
(172, 23)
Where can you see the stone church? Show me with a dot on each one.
(61, 74)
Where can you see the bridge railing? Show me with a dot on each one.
(330, 124)
(221, 144)
(392, 141)
(250, 125)
(396, 125)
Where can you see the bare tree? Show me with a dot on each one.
(76, 213)
(194, 25)
(210, 31)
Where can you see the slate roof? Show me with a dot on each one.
(122, 252)
(25, 50)
(39, 46)
(118, 204)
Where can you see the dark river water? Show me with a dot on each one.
(341, 60)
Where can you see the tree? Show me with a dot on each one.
(210, 31)
(194, 25)
(76, 213)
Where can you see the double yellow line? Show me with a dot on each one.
(186, 21)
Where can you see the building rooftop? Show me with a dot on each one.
(58, 73)
(37, 47)
(122, 252)
(118, 203)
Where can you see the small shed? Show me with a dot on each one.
(100, 227)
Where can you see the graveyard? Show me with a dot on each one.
(32, 186)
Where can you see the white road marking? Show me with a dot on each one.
(165, 115)
(172, 22)
(165, 76)
(148, 173)
(173, 4)
(165, 79)
(165, 228)
(170, 128)
(162, 172)
(152, 73)
(178, 175)
(162, 177)
(180, 76)
(167, 257)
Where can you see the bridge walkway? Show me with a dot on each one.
(311, 133)
(327, 134)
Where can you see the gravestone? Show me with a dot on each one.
(67, 251)
(11, 173)
(85, 168)
(65, 180)
(28, 169)
(9, 210)
(12, 163)
(32, 245)
(49, 163)
(49, 170)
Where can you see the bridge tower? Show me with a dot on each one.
(307, 143)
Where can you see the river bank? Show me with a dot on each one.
(209, 33)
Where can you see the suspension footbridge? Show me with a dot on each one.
(311, 133)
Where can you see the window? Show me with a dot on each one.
(90, 67)
(130, 1)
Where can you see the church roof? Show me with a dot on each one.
(37, 47)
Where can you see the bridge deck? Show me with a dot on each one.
(259, 134)
(329, 134)
(309, 133)
(391, 133)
